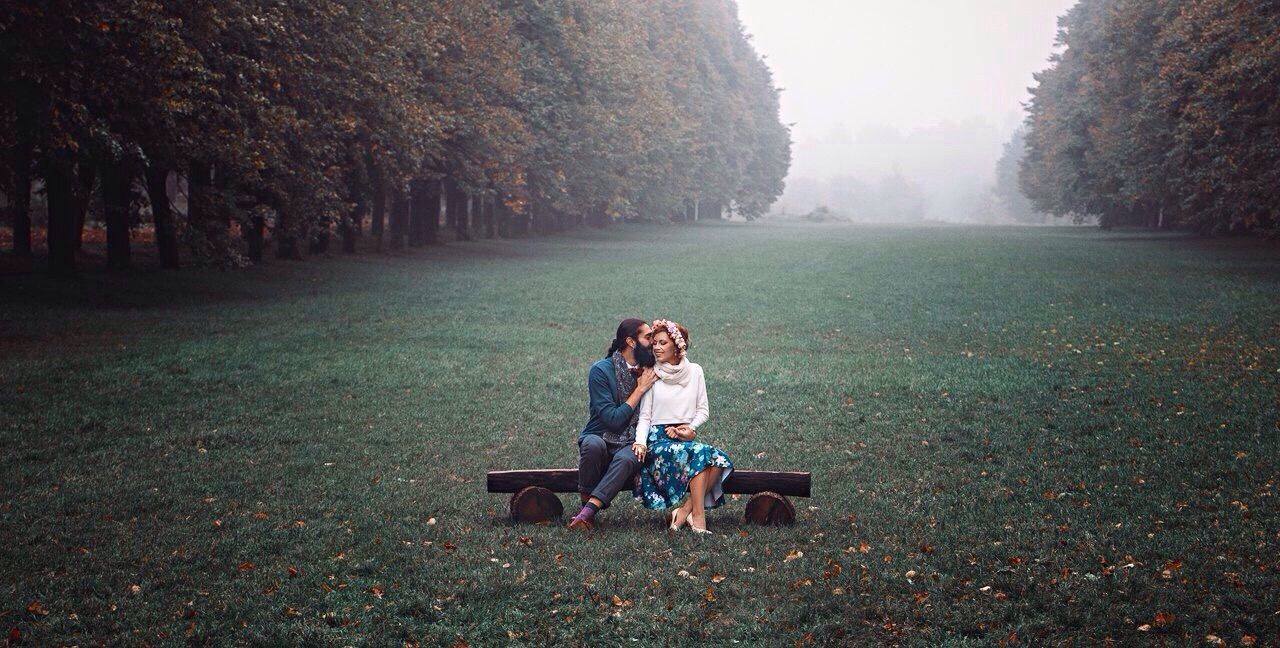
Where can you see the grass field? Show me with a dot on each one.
(1029, 435)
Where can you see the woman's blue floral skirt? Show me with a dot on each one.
(669, 464)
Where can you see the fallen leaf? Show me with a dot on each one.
(1248, 640)
(376, 590)
(794, 554)
(1214, 640)
(716, 578)
(34, 607)
(710, 594)
(1163, 619)
(246, 566)
(618, 601)
(1144, 627)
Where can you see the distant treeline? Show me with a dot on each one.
(1161, 113)
(232, 124)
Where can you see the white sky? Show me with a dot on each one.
(849, 65)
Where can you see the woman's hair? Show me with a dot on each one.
(629, 328)
(658, 327)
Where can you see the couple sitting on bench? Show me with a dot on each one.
(646, 402)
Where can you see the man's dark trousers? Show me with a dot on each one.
(604, 468)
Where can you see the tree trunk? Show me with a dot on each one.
(200, 208)
(354, 223)
(117, 187)
(502, 217)
(710, 210)
(286, 236)
(424, 209)
(86, 173)
(27, 114)
(162, 216)
(490, 226)
(399, 217)
(320, 242)
(58, 177)
(379, 214)
(256, 237)
(456, 209)
(286, 232)
(533, 222)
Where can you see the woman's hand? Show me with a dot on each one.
(682, 432)
(639, 449)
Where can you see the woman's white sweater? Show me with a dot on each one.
(673, 403)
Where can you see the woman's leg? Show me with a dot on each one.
(698, 487)
(683, 511)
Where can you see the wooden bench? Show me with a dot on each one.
(534, 497)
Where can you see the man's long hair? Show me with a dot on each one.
(629, 328)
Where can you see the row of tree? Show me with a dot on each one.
(233, 120)
(1160, 113)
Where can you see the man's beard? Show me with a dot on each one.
(644, 356)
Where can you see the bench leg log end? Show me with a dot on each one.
(770, 509)
(535, 504)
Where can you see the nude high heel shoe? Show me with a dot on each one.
(672, 525)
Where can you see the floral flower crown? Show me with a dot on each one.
(674, 331)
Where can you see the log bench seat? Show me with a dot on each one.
(534, 496)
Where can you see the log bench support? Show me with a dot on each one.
(534, 496)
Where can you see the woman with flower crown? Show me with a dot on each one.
(679, 474)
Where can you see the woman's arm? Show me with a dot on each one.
(703, 409)
(642, 423)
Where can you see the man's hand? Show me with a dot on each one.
(639, 449)
(646, 380)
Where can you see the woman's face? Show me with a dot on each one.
(663, 348)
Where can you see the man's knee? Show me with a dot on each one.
(629, 461)
(592, 445)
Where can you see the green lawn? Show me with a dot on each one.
(1049, 433)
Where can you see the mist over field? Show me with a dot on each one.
(911, 98)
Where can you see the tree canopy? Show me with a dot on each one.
(230, 123)
(1160, 113)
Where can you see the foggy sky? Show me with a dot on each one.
(950, 72)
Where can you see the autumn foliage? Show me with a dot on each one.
(1161, 113)
(234, 125)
